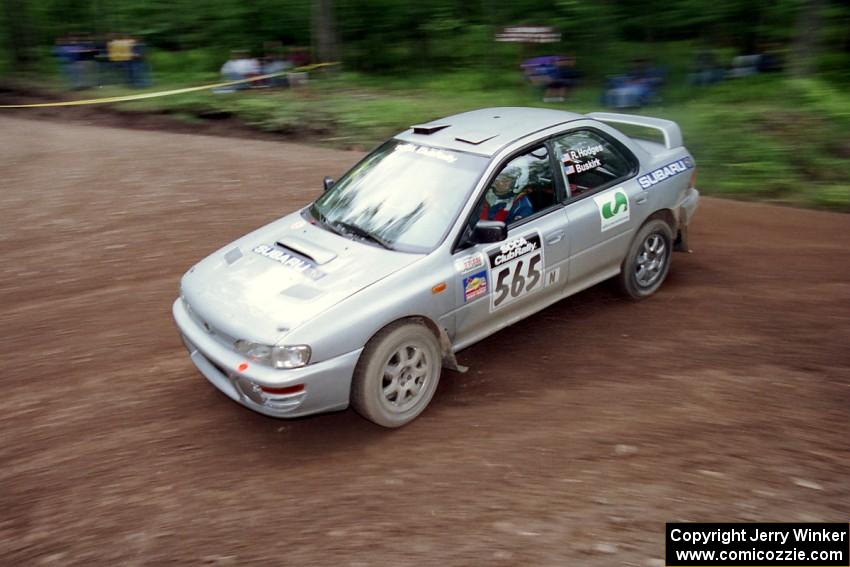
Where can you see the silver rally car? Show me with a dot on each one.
(440, 237)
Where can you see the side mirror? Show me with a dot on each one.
(328, 183)
(486, 232)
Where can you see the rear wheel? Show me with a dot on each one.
(648, 260)
(397, 374)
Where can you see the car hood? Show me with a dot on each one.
(272, 280)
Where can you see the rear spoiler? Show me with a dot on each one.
(670, 130)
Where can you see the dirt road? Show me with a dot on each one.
(574, 437)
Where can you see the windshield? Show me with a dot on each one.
(403, 195)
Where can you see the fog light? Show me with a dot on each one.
(283, 391)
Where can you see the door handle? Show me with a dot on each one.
(640, 200)
(555, 237)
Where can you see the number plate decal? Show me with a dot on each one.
(516, 269)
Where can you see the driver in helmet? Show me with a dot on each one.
(506, 199)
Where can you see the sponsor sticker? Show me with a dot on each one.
(552, 277)
(475, 286)
(613, 208)
(301, 265)
(442, 155)
(516, 269)
(665, 172)
(297, 224)
(469, 263)
(513, 249)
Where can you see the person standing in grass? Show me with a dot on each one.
(121, 55)
(139, 71)
(66, 57)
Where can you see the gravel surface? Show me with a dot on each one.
(576, 434)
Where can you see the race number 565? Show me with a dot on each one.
(517, 278)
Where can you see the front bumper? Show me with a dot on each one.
(327, 384)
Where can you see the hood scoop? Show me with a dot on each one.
(307, 249)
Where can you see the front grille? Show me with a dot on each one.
(216, 333)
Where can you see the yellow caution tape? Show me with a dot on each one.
(126, 98)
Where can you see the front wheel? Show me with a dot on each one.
(648, 260)
(397, 374)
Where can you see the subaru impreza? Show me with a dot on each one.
(440, 237)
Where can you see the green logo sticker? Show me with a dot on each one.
(613, 208)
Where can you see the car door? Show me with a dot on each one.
(505, 281)
(601, 191)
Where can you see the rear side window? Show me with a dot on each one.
(589, 161)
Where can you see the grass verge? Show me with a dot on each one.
(761, 138)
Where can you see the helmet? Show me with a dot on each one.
(506, 182)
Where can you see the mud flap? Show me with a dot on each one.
(682, 244)
(449, 360)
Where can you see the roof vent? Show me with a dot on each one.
(475, 138)
(428, 128)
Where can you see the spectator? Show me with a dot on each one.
(561, 77)
(101, 61)
(239, 67)
(76, 59)
(706, 70)
(537, 70)
(744, 66)
(299, 56)
(636, 88)
(553, 74)
(139, 71)
(275, 62)
(120, 50)
(771, 59)
(86, 64)
(66, 57)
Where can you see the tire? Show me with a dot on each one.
(648, 260)
(397, 374)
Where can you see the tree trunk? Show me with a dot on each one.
(18, 32)
(805, 46)
(324, 31)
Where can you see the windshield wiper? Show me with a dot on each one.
(323, 220)
(362, 233)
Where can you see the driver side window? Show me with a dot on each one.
(522, 188)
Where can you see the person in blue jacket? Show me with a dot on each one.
(506, 200)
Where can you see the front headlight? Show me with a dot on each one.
(290, 356)
(286, 357)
